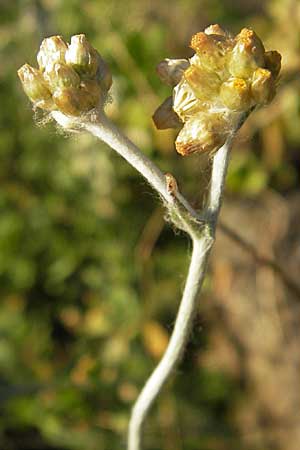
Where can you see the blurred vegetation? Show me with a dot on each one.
(90, 274)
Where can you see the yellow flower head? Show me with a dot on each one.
(72, 78)
(225, 78)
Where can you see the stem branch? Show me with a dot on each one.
(105, 130)
(200, 230)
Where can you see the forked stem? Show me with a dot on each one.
(104, 129)
(202, 244)
(202, 234)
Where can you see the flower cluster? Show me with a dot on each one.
(71, 78)
(226, 77)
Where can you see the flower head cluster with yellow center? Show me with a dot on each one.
(226, 78)
(72, 78)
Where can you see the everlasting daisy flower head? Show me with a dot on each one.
(71, 79)
(226, 77)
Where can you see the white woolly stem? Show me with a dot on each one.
(105, 130)
(202, 235)
(111, 135)
(183, 215)
(177, 344)
(201, 248)
(218, 177)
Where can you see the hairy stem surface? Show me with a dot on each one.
(105, 130)
(202, 244)
(217, 183)
(200, 230)
(180, 335)
(111, 135)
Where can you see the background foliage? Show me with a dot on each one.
(90, 274)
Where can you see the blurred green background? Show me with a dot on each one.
(91, 275)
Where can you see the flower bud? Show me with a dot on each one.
(170, 71)
(235, 94)
(215, 29)
(93, 92)
(204, 132)
(68, 101)
(75, 101)
(35, 86)
(204, 84)
(72, 80)
(165, 116)
(247, 54)
(52, 50)
(211, 50)
(60, 76)
(273, 62)
(263, 86)
(225, 78)
(82, 56)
